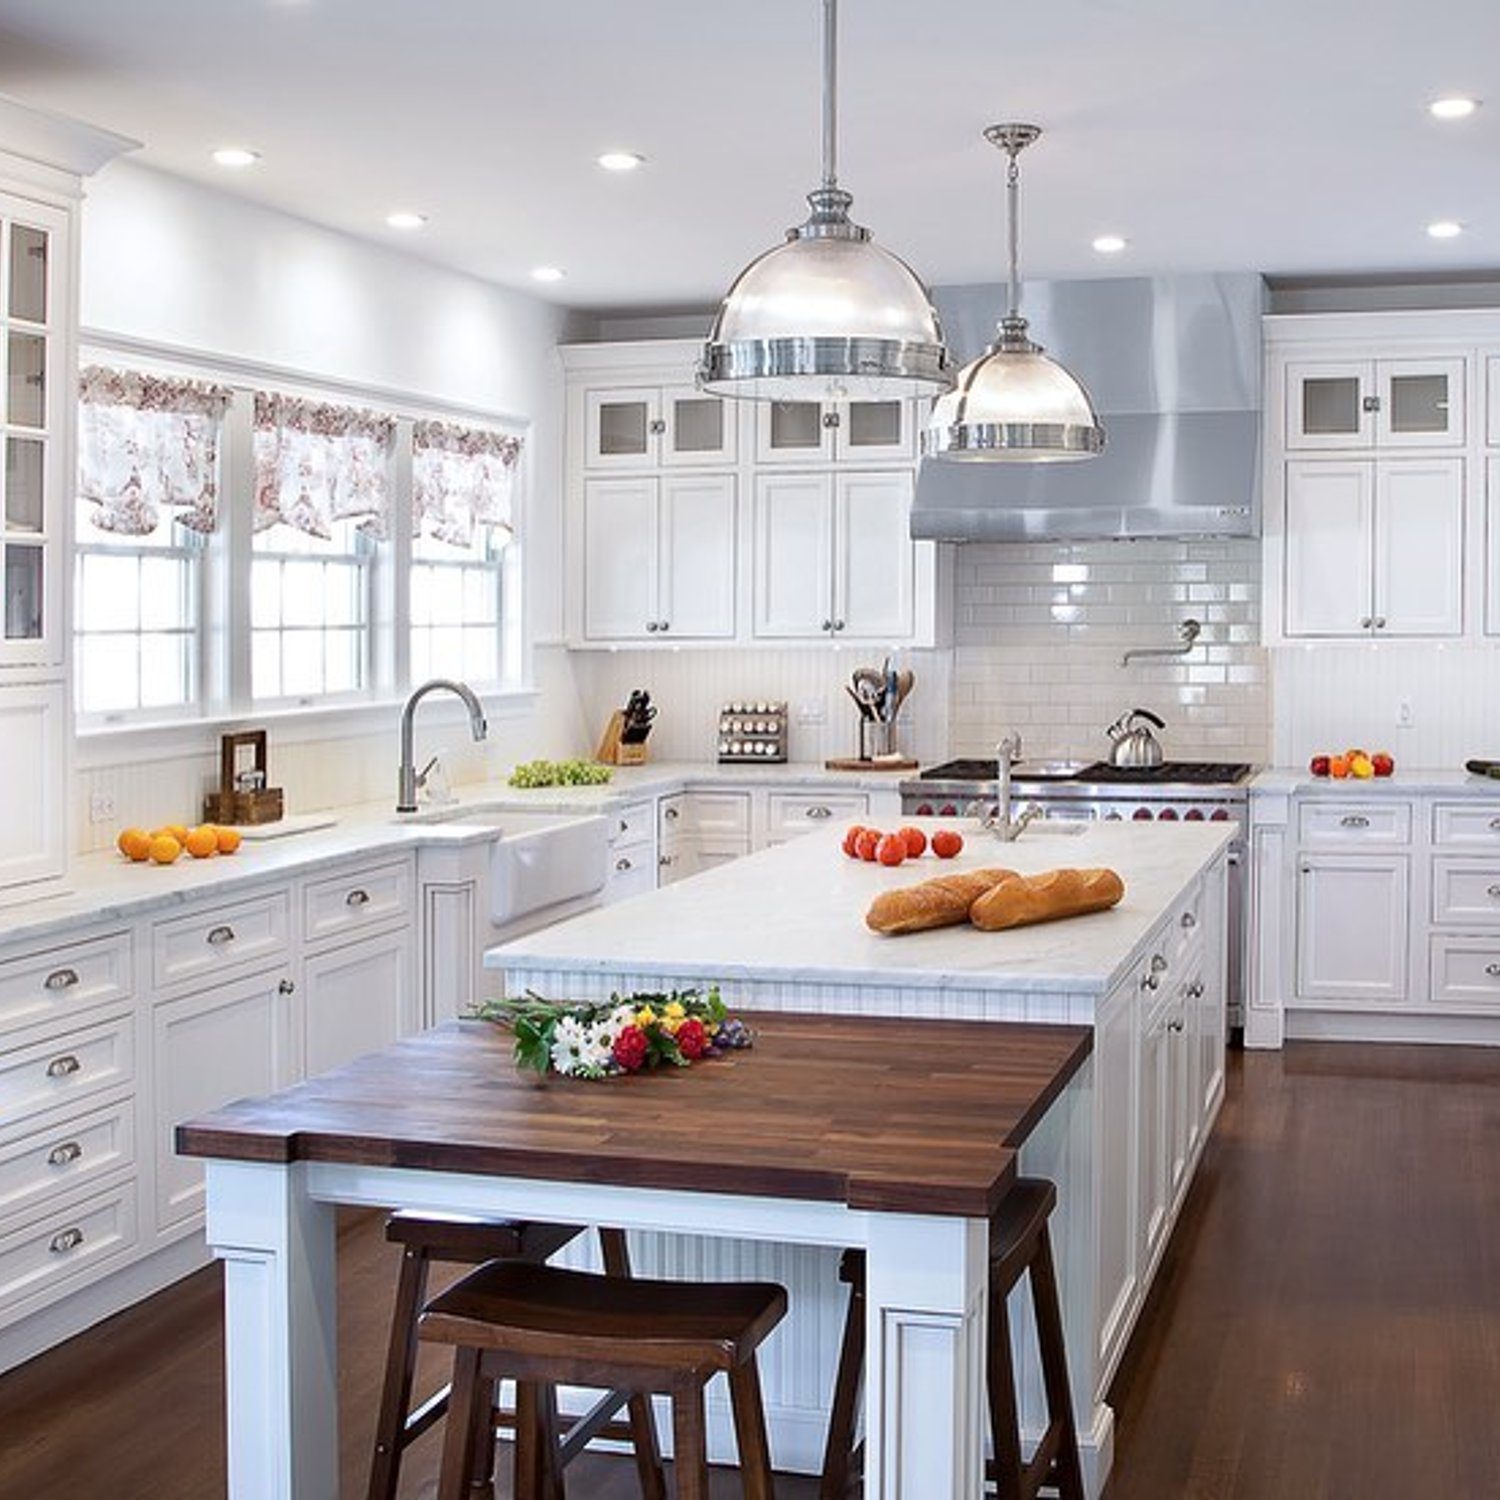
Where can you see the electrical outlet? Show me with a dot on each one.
(812, 711)
(101, 808)
(1405, 717)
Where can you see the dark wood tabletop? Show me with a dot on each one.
(895, 1115)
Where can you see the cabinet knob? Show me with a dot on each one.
(65, 1240)
(657, 425)
(64, 1066)
(671, 814)
(1365, 623)
(286, 986)
(1370, 403)
(61, 979)
(357, 897)
(830, 419)
(1158, 964)
(1354, 820)
(666, 861)
(1149, 982)
(220, 935)
(1493, 970)
(1380, 622)
(652, 626)
(1195, 990)
(623, 864)
(1495, 825)
(63, 1154)
(663, 625)
(826, 625)
(1175, 1025)
(1189, 920)
(1493, 891)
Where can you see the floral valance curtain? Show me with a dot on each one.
(148, 445)
(462, 478)
(316, 464)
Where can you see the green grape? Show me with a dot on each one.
(540, 773)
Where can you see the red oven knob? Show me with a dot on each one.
(1167, 815)
(1219, 815)
(947, 810)
(1112, 817)
(1142, 815)
(1193, 815)
(924, 809)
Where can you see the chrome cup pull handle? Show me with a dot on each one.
(64, 1154)
(64, 1066)
(217, 936)
(67, 1239)
(1493, 891)
(819, 811)
(61, 979)
(623, 864)
(1493, 970)
(1189, 920)
(1354, 820)
(357, 897)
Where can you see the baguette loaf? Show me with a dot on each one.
(1045, 897)
(941, 902)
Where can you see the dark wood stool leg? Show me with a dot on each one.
(529, 1459)
(482, 1460)
(458, 1437)
(1067, 1472)
(690, 1456)
(1000, 1383)
(838, 1452)
(750, 1432)
(400, 1365)
(642, 1423)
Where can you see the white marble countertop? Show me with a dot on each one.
(796, 913)
(1298, 781)
(105, 887)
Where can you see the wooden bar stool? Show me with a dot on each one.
(426, 1239)
(1019, 1243)
(544, 1327)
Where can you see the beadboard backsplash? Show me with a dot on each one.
(1040, 628)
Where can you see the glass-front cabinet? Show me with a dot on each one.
(1388, 403)
(33, 416)
(654, 427)
(802, 432)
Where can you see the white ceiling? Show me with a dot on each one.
(1288, 136)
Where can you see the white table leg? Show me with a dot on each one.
(927, 1289)
(277, 1245)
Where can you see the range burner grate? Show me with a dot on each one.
(1177, 772)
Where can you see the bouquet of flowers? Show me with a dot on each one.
(584, 1039)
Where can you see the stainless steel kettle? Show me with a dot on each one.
(1132, 742)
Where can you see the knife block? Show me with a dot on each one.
(613, 751)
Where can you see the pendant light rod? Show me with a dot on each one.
(1013, 140)
(830, 93)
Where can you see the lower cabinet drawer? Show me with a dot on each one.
(1465, 970)
(49, 1252)
(74, 1065)
(1473, 823)
(1466, 891)
(1339, 822)
(59, 982)
(356, 901)
(66, 1156)
(218, 943)
(789, 814)
(632, 869)
(633, 822)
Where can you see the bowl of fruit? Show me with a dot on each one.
(1355, 765)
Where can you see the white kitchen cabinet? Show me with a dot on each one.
(651, 427)
(1352, 922)
(358, 998)
(811, 432)
(1374, 547)
(834, 557)
(1385, 403)
(230, 1042)
(1153, 1161)
(1492, 545)
(33, 815)
(660, 557)
(1116, 1078)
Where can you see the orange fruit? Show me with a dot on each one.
(1338, 767)
(202, 841)
(134, 843)
(229, 839)
(165, 849)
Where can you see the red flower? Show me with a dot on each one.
(692, 1038)
(630, 1048)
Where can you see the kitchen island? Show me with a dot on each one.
(784, 930)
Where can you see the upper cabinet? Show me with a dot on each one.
(1375, 403)
(694, 520)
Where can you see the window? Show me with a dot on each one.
(456, 607)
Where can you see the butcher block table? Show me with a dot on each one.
(898, 1136)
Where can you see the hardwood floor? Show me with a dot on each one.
(1326, 1325)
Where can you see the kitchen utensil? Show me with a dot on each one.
(877, 738)
(859, 703)
(906, 680)
(1132, 742)
(1490, 768)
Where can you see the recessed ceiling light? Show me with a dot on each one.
(1110, 244)
(236, 156)
(548, 273)
(1445, 229)
(405, 218)
(621, 161)
(1453, 107)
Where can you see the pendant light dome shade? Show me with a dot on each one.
(1015, 403)
(828, 314)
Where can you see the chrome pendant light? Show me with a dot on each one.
(828, 315)
(1014, 404)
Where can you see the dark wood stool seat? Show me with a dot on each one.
(1019, 1244)
(429, 1238)
(543, 1326)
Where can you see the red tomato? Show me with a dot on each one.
(892, 849)
(851, 839)
(946, 843)
(867, 843)
(916, 842)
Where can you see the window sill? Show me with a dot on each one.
(166, 739)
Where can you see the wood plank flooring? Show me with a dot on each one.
(1326, 1325)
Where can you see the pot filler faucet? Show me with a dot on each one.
(406, 796)
(1000, 822)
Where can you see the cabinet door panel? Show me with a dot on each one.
(1352, 922)
(1330, 519)
(699, 429)
(793, 555)
(1153, 1163)
(357, 999)
(623, 428)
(230, 1042)
(796, 432)
(1421, 403)
(697, 556)
(882, 431)
(1419, 546)
(1327, 404)
(33, 721)
(620, 558)
(1115, 1079)
(874, 557)
(1492, 535)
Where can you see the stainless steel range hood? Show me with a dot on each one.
(1174, 366)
